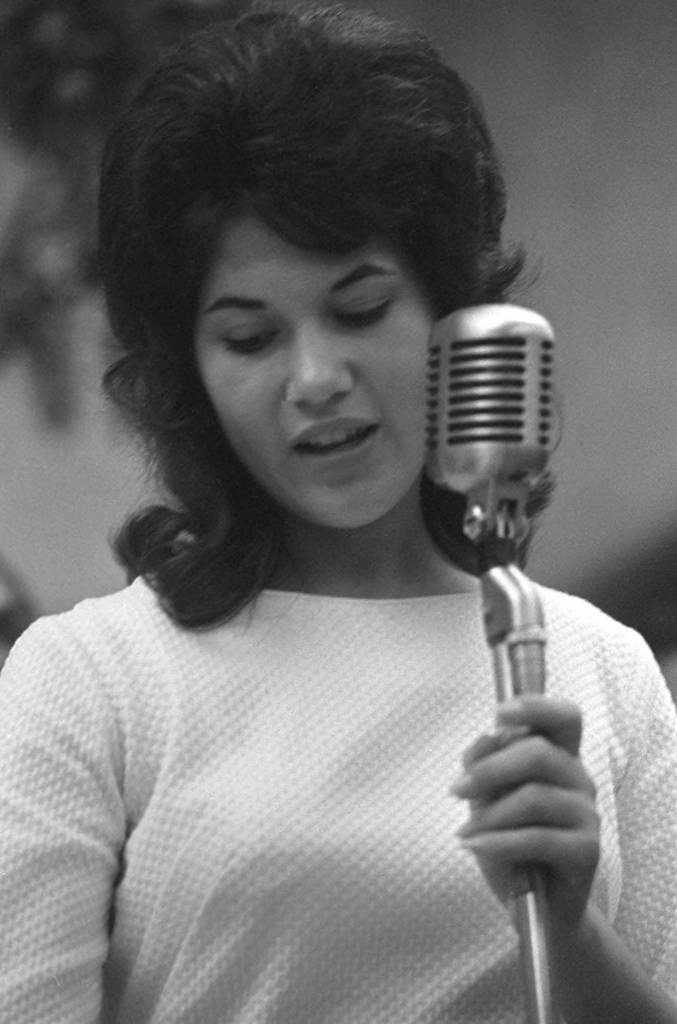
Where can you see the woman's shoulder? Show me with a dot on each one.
(97, 631)
(572, 619)
(599, 660)
(132, 608)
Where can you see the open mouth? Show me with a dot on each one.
(341, 441)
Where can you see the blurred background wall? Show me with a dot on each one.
(582, 99)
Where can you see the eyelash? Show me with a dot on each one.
(365, 317)
(258, 342)
(251, 345)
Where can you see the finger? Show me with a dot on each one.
(489, 743)
(558, 719)
(531, 759)
(531, 806)
(569, 854)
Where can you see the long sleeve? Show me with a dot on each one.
(61, 828)
(630, 748)
(647, 811)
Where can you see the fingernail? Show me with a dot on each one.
(510, 708)
(462, 785)
(472, 843)
(508, 734)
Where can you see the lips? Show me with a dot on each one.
(333, 436)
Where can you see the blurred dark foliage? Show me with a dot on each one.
(641, 591)
(17, 610)
(65, 68)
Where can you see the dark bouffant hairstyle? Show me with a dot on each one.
(335, 127)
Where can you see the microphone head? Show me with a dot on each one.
(489, 398)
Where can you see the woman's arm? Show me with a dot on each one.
(532, 801)
(61, 826)
(595, 978)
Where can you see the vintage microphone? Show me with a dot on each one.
(489, 432)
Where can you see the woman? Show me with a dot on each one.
(225, 789)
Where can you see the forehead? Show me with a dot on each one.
(252, 257)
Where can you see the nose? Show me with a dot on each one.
(318, 370)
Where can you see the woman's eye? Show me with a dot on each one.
(249, 344)
(363, 317)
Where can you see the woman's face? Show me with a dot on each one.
(315, 365)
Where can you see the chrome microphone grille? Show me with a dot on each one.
(489, 386)
(489, 395)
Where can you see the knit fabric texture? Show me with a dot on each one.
(252, 824)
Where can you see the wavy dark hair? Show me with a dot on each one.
(335, 127)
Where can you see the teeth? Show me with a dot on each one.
(335, 436)
(330, 438)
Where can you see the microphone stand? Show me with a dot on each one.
(515, 631)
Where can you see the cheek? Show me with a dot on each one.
(404, 380)
(246, 418)
(240, 420)
(235, 395)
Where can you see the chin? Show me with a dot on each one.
(353, 515)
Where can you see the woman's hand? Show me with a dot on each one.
(532, 802)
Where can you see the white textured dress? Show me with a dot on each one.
(251, 824)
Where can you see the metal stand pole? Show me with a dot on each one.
(515, 631)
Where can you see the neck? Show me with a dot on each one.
(392, 560)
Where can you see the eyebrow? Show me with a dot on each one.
(358, 273)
